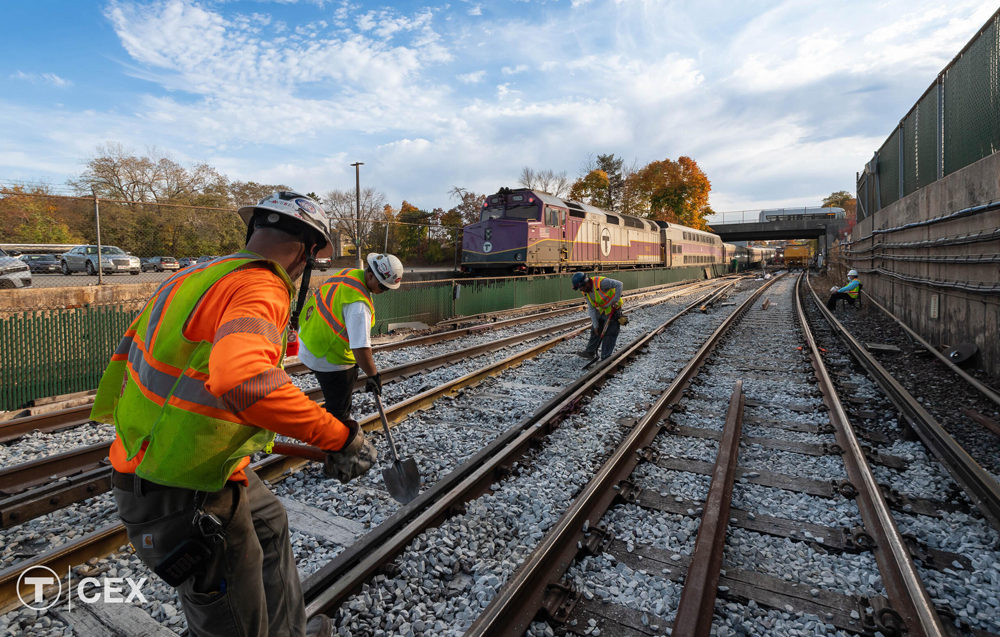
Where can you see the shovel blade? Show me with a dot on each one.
(402, 480)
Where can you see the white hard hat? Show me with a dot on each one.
(852, 273)
(387, 268)
(287, 210)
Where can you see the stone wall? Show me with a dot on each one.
(960, 316)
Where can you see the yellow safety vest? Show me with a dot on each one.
(323, 331)
(601, 301)
(154, 389)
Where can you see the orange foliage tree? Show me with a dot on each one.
(677, 191)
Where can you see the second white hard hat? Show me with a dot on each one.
(852, 273)
(387, 269)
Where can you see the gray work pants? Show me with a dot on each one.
(263, 595)
(610, 337)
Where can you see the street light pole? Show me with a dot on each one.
(357, 192)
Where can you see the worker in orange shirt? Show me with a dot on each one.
(194, 389)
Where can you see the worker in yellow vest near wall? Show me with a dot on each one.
(194, 389)
(335, 339)
(604, 303)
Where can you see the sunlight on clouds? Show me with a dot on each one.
(472, 78)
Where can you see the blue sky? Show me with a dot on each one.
(779, 102)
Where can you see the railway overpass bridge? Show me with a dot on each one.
(825, 230)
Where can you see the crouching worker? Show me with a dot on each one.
(336, 332)
(194, 389)
(604, 306)
(849, 292)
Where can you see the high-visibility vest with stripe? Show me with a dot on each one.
(154, 389)
(323, 331)
(853, 291)
(603, 302)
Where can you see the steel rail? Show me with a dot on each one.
(986, 391)
(326, 589)
(979, 485)
(275, 467)
(51, 494)
(80, 415)
(83, 480)
(697, 605)
(911, 605)
(521, 599)
(104, 541)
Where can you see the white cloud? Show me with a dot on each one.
(509, 70)
(476, 9)
(34, 78)
(472, 78)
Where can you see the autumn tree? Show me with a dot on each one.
(591, 189)
(677, 191)
(469, 207)
(247, 193)
(27, 217)
(847, 201)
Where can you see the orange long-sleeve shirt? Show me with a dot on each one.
(244, 315)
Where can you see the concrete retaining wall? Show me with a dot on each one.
(961, 316)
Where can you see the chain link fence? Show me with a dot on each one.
(955, 123)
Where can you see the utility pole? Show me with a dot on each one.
(357, 192)
(97, 222)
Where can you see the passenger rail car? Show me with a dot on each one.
(530, 231)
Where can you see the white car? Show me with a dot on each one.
(14, 273)
(112, 259)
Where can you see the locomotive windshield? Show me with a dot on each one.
(527, 211)
(491, 213)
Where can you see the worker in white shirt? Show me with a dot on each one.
(335, 338)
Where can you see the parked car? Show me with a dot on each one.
(186, 261)
(111, 259)
(203, 259)
(322, 264)
(41, 263)
(160, 264)
(14, 273)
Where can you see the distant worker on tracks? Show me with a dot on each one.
(194, 389)
(849, 292)
(604, 299)
(335, 340)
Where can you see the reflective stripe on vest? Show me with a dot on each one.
(323, 331)
(154, 389)
(602, 302)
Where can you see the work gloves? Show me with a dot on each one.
(374, 384)
(354, 459)
(834, 288)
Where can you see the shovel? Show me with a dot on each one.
(402, 479)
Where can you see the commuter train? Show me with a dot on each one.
(528, 231)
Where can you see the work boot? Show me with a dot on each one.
(320, 626)
(585, 354)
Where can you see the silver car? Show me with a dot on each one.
(14, 273)
(112, 259)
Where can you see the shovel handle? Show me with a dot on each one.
(385, 427)
(299, 451)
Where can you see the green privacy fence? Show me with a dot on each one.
(956, 122)
(53, 352)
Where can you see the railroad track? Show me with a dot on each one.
(743, 502)
(273, 468)
(54, 481)
(78, 415)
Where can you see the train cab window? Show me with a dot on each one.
(528, 212)
(491, 213)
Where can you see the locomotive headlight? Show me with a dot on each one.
(518, 256)
(488, 234)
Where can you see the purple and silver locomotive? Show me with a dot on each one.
(529, 231)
